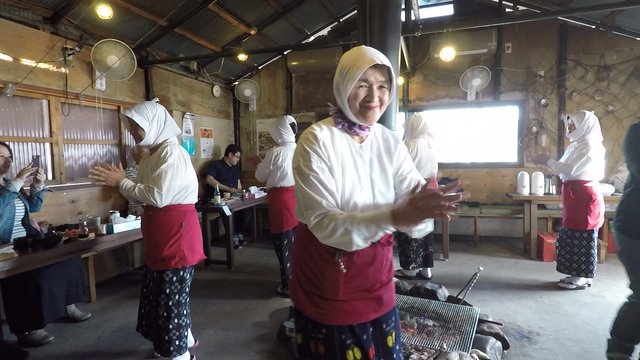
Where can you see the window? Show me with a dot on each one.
(70, 137)
(477, 135)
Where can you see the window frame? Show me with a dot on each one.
(477, 165)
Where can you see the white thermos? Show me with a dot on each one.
(537, 183)
(522, 184)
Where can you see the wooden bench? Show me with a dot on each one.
(477, 212)
(515, 211)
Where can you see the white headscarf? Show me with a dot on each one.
(587, 127)
(352, 65)
(584, 158)
(156, 121)
(281, 132)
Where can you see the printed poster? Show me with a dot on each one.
(206, 142)
(264, 140)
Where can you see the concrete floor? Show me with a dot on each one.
(236, 312)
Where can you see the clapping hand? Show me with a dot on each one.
(427, 203)
(107, 174)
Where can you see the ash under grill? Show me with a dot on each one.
(437, 324)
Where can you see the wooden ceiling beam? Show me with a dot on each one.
(233, 20)
(174, 25)
(165, 24)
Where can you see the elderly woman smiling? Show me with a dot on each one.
(355, 184)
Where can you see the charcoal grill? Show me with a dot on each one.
(437, 324)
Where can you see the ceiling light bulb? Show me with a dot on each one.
(104, 11)
(447, 53)
(400, 80)
(242, 56)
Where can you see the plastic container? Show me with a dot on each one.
(522, 183)
(537, 183)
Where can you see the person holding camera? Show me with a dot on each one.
(34, 298)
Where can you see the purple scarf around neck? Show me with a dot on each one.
(350, 127)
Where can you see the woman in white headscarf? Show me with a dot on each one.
(580, 168)
(416, 255)
(167, 183)
(275, 171)
(355, 184)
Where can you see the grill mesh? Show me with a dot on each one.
(437, 324)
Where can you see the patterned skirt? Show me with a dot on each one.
(282, 243)
(375, 339)
(577, 252)
(414, 254)
(164, 315)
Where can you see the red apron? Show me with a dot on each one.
(337, 287)
(282, 214)
(171, 236)
(582, 205)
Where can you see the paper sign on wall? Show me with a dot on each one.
(206, 142)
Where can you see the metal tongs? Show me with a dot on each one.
(468, 286)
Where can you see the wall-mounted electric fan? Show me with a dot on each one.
(475, 79)
(112, 59)
(247, 91)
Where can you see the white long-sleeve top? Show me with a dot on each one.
(166, 177)
(345, 191)
(581, 161)
(275, 169)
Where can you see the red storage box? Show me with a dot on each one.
(547, 246)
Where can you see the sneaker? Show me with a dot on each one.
(425, 273)
(570, 279)
(35, 338)
(236, 242)
(574, 283)
(241, 239)
(75, 314)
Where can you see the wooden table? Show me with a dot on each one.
(214, 211)
(30, 260)
(530, 220)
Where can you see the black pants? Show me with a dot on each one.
(37, 297)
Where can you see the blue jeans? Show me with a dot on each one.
(625, 332)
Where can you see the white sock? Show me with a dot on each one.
(426, 272)
(190, 339)
(185, 356)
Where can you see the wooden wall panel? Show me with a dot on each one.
(64, 206)
(21, 42)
